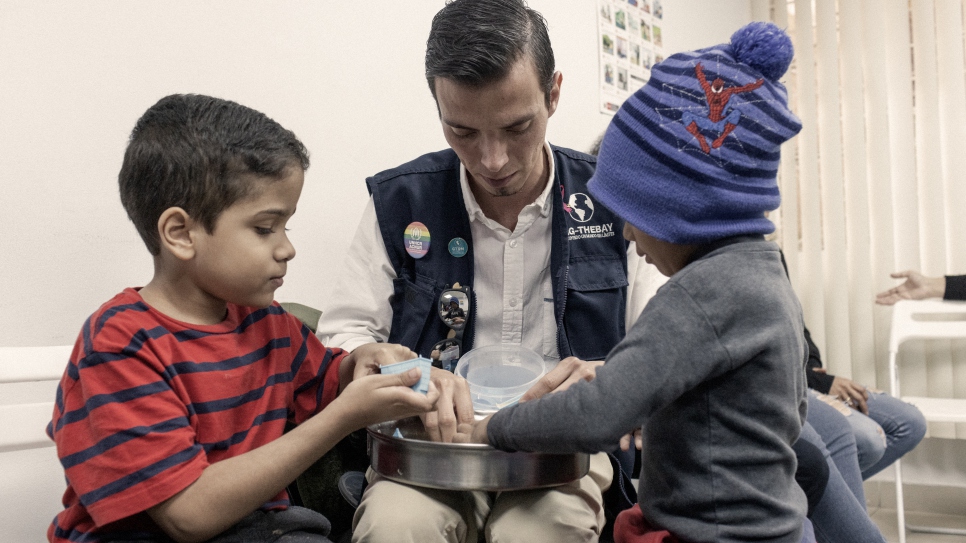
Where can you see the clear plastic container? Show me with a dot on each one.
(498, 375)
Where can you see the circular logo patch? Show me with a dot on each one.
(458, 247)
(581, 208)
(416, 239)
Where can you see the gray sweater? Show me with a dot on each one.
(713, 370)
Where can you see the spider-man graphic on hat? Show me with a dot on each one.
(718, 98)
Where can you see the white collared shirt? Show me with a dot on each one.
(514, 302)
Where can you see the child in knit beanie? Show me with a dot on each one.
(712, 371)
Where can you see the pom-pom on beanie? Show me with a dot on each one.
(693, 155)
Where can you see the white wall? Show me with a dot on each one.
(345, 76)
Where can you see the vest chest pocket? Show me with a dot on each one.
(596, 304)
(413, 315)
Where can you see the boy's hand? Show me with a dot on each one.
(569, 371)
(473, 432)
(366, 359)
(377, 398)
(453, 408)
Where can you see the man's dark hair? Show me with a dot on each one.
(201, 154)
(476, 42)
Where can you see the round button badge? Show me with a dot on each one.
(458, 247)
(416, 239)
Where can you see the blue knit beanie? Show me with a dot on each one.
(693, 155)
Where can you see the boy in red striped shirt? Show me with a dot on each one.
(169, 419)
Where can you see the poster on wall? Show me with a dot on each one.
(630, 41)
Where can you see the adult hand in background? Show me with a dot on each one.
(851, 393)
(916, 287)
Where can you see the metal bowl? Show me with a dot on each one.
(415, 460)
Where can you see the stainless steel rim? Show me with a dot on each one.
(412, 459)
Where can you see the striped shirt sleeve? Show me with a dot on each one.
(316, 374)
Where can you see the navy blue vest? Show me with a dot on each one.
(588, 256)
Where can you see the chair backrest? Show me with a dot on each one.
(926, 319)
(31, 477)
(308, 315)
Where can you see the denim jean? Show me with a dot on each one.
(838, 438)
(808, 532)
(840, 517)
(892, 428)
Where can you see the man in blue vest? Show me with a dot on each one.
(507, 214)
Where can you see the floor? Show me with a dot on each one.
(885, 519)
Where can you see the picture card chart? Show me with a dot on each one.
(630, 41)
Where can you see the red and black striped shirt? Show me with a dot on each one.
(147, 402)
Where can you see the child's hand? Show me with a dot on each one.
(568, 371)
(634, 436)
(472, 432)
(366, 359)
(377, 398)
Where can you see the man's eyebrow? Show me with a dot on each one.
(511, 124)
(518, 122)
(453, 124)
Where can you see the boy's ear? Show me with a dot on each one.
(175, 230)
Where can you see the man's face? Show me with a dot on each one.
(498, 130)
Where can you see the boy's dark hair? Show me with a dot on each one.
(476, 42)
(193, 152)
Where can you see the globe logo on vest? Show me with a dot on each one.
(580, 207)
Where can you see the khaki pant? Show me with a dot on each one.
(394, 512)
